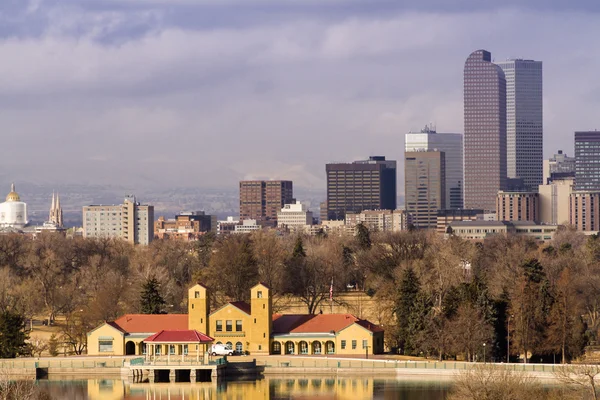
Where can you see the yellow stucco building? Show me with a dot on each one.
(245, 327)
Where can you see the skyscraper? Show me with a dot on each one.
(361, 185)
(485, 131)
(524, 125)
(452, 146)
(262, 200)
(425, 186)
(587, 167)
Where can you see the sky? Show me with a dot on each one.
(204, 93)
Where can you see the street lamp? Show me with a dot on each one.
(484, 353)
(508, 339)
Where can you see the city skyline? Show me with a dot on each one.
(81, 78)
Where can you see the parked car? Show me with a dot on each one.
(221, 350)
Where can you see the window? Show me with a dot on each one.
(171, 349)
(238, 347)
(185, 349)
(105, 346)
(343, 344)
(238, 325)
(228, 325)
(157, 350)
(365, 343)
(197, 295)
(259, 347)
(219, 326)
(144, 349)
(259, 294)
(354, 345)
(276, 348)
(229, 345)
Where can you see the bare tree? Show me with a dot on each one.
(580, 376)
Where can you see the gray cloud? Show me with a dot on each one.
(148, 93)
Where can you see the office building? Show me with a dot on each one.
(424, 186)
(130, 221)
(262, 200)
(554, 199)
(481, 230)
(485, 131)
(361, 185)
(517, 206)
(584, 211)
(558, 166)
(587, 165)
(446, 217)
(524, 122)
(294, 216)
(185, 226)
(452, 146)
(380, 220)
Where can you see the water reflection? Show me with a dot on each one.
(292, 387)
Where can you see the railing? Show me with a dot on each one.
(136, 361)
(50, 363)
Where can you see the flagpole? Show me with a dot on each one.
(331, 296)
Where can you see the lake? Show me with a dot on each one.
(269, 387)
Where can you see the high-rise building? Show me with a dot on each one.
(424, 186)
(361, 185)
(130, 221)
(587, 167)
(294, 215)
(524, 122)
(517, 206)
(485, 131)
(261, 200)
(554, 200)
(559, 166)
(584, 211)
(452, 146)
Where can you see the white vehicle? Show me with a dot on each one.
(221, 350)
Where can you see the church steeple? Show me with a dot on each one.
(56, 214)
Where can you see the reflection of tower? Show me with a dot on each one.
(56, 214)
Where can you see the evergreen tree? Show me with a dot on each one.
(150, 300)
(298, 249)
(412, 306)
(363, 236)
(12, 334)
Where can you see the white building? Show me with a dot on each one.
(13, 212)
(554, 201)
(247, 226)
(294, 216)
(524, 122)
(452, 146)
(130, 221)
(380, 220)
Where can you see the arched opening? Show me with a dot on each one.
(303, 347)
(229, 345)
(276, 348)
(330, 347)
(289, 348)
(239, 348)
(317, 348)
(129, 348)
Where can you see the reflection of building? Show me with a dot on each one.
(380, 220)
(263, 199)
(452, 146)
(130, 221)
(185, 226)
(244, 327)
(361, 185)
(13, 212)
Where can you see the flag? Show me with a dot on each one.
(331, 291)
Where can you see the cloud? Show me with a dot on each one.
(136, 93)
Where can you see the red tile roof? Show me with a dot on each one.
(242, 305)
(183, 336)
(319, 323)
(148, 323)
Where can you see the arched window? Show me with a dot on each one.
(316, 348)
(238, 347)
(276, 348)
(303, 347)
(219, 343)
(330, 347)
(229, 345)
(289, 348)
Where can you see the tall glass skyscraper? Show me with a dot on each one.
(524, 125)
(485, 131)
(452, 146)
(587, 161)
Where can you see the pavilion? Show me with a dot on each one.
(183, 343)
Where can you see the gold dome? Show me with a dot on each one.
(13, 196)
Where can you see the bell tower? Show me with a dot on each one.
(262, 319)
(198, 308)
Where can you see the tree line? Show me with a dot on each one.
(439, 297)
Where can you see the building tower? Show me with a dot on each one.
(452, 146)
(587, 154)
(56, 213)
(485, 131)
(524, 121)
(425, 186)
(361, 185)
(261, 309)
(198, 308)
(262, 200)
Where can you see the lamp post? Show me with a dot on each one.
(508, 339)
(484, 353)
